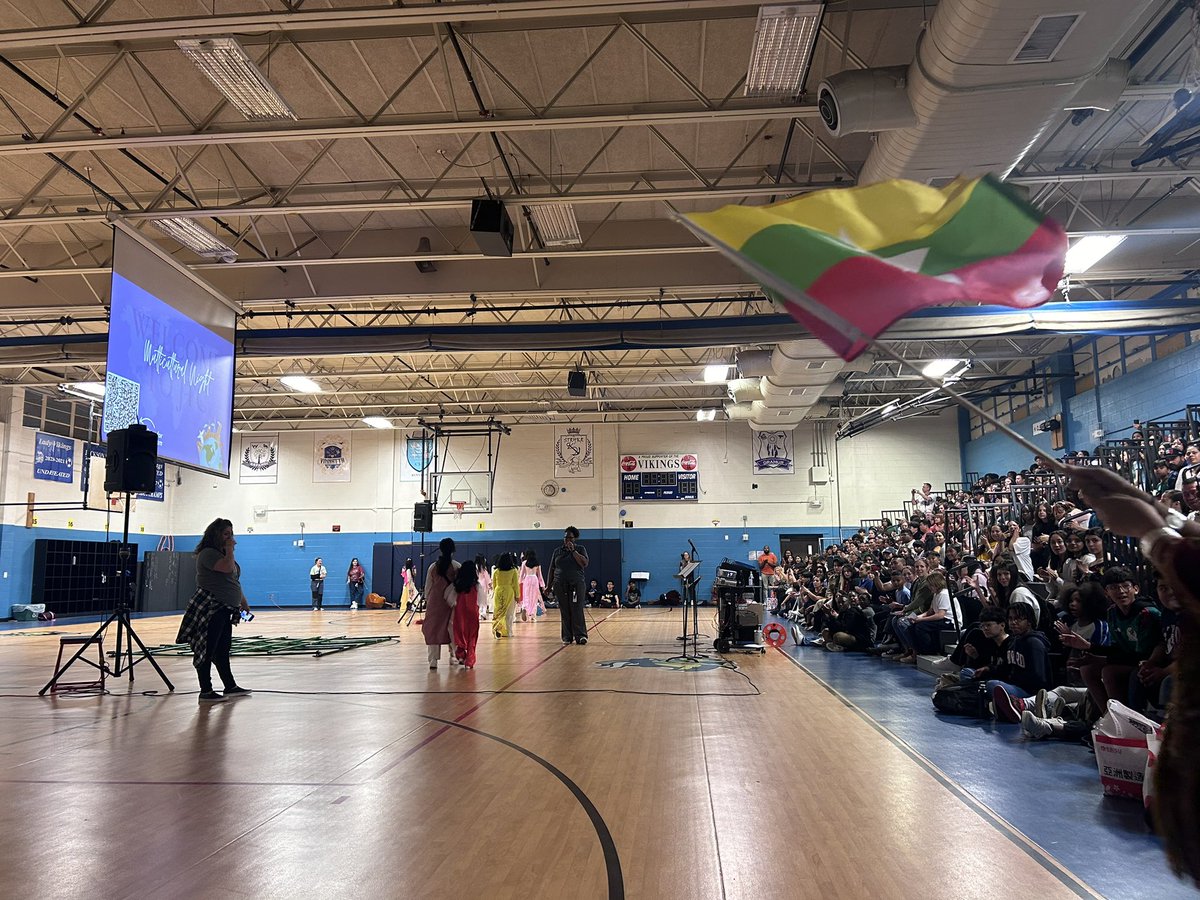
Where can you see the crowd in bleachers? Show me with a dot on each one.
(1009, 584)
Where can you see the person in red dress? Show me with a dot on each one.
(463, 598)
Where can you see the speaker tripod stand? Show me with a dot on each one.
(123, 658)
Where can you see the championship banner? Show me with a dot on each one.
(773, 453)
(331, 457)
(573, 451)
(53, 458)
(259, 459)
(160, 484)
(418, 454)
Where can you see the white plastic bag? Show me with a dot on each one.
(1153, 746)
(1119, 737)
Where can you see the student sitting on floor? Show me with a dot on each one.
(633, 596)
(1026, 666)
(851, 625)
(1084, 614)
(1135, 627)
(919, 634)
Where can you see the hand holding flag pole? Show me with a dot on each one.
(847, 263)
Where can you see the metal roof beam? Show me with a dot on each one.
(526, 13)
(397, 126)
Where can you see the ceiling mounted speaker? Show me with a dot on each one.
(577, 384)
(491, 227)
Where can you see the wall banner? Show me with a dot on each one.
(53, 458)
(259, 459)
(573, 451)
(331, 457)
(418, 454)
(773, 453)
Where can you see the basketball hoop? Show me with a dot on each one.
(459, 506)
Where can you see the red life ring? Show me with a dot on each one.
(774, 634)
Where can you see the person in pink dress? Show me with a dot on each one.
(436, 627)
(532, 586)
(463, 598)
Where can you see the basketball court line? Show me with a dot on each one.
(1031, 849)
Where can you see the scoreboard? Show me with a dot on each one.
(660, 476)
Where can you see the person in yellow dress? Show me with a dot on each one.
(504, 596)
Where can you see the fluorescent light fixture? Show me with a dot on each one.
(1087, 251)
(716, 373)
(890, 408)
(783, 43)
(936, 368)
(195, 237)
(378, 422)
(88, 388)
(556, 224)
(301, 383)
(706, 415)
(225, 63)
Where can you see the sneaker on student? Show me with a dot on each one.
(943, 666)
(237, 691)
(1039, 704)
(1038, 728)
(211, 697)
(581, 640)
(834, 647)
(1055, 706)
(1008, 708)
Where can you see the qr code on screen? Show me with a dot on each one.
(121, 399)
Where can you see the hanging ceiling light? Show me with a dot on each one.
(783, 44)
(706, 415)
(936, 368)
(225, 63)
(556, 224)
(195, 237)
(301, 383)
(716, 373)
(92, 390)
(1089, 250)
(378, 422)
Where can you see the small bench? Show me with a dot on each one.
(75, 641)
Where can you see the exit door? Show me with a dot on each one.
(800, 544)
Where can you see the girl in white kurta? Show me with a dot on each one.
(485, 588)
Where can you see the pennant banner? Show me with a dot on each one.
(331, 457)
(773, 453)
(847, 263)
(259, 460)
(573, 451)
(418, 454)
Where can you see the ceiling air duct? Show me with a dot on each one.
(987, 80)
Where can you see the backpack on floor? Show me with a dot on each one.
(968, 698)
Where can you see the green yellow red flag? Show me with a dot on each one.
(847, 263)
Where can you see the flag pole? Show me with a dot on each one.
(1055, 466)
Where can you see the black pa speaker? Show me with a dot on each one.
(423, 517)
(491, 227)
(576, 384)
(131, 460)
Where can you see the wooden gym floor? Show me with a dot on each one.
(538, 775)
